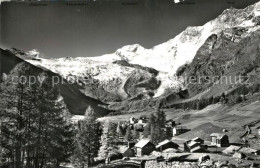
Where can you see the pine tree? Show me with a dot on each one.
(201, 103)
(103, 152)
(158, 132)
(53, 129)
(87, 141)
(15, 105)
(211, 100)
(119, 130)
(161, 118)
(112, 139)
(152, 127)
(128, 135)
(136, 134)
(112, 134)
(255, 88)
(38, 126)
(147, 131)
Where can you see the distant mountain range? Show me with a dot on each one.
(76, 102)
(133, 74)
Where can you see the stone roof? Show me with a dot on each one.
(193, 143)
(197, 149)
(171, 150)
(180, 127)
(197, 139)
(142, 143)
(231, 149)
(218, 135)
(165, 142)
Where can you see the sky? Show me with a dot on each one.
(71, 29)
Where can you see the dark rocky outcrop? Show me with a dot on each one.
(140, 82)
(127, 64)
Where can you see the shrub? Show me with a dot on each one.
(255, 88)
(239, 99)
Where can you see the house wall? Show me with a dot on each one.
(213, 140)
(138, 152)
(200, 141)
(129, 153)
(224, 142)
(174, 132)
(167, 146)
(179, 131)
(186, 148)
(148, 149)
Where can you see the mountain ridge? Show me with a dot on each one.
(75, 100)
(166, 58)
(129, 73)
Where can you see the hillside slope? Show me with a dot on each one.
(134, 78)
(75, 100)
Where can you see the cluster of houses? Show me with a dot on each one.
(176, 129)
(219, 142)
(195, 145)
(146, 147)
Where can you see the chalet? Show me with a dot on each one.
(129, 153)
(144, 119)
(171, 150)
(140, 121)
(77, 118)
(199, 140)
(198, 149)
(166, 144)
(239, 155)
(231, 149)
(144, 147)
(248, 151)
(170, 123)
(257, 10)
(131, 144)
(179, 130)
(139, 127)
(194, 145)
(133, 120)
(219, 140)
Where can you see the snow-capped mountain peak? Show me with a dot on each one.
(166, 58)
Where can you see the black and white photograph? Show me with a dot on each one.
(130, 84)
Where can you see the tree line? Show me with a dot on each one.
(35, 126)
(155, 129)
(36, 130)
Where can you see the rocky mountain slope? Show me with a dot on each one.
(228, 59)
(134, 78)
(110, 75)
